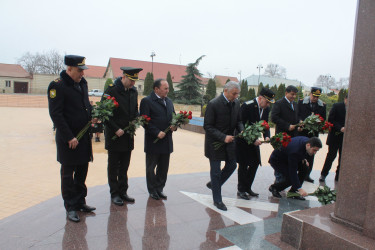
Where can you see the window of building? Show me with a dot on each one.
(7, 83)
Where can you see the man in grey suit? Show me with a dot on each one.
(160, 109)
(221, 119)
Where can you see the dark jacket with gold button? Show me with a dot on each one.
(70, 111)
(126, 112)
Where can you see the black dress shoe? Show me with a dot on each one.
(87, 209)
(274, 192)
(73, 216)
(117, 201)
(298, 197)
(127, 198)
(251, 193)
(220, 205)
(309, 179)
(155, 196)
(243, 195)
(162, 195)
(209, 185)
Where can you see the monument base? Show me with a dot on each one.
(314, 229)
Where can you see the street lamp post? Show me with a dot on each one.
(152, 63)
(259, 67)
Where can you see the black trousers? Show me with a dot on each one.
(331, 156)
(73, 187)
(246, 176)
(220, 176)
(301, 171)
(118, 165)
(157, 166)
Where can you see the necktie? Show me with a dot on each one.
(292, 105)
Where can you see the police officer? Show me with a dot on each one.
(119, 150)
(248, 156)
(70, 111)
(306, 106)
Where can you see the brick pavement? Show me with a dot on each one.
(29, 172)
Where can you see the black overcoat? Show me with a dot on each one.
(221, 119)
(305, 110)
(245, 153)
(161, 117)
(283, 116)
(337, 118)
(70, 111)
(126, 112)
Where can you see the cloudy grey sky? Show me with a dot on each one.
(308, 38)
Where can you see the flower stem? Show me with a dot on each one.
(83, 131)
(165, 131)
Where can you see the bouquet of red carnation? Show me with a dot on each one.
(280, 140)
(313, 123)
(327, 127)
(134, 124)
(250, 133)
(101, 111)
(179, 119)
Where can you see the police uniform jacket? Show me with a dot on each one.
(337, 118)
(283, 116)
(305, 109)
(126, 112)
(221, 119)
(161, 117)
(287, 159)
(70, 111)
(250, 114)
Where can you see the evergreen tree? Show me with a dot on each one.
(251, 94)
(107, 82)
(170, 83)
(274, 89)
(149, 81)
(260, 86)
(280, 91)
(267, 86)
(244, 90)
(228, 80)
(300, 93)
(191, 85)
(211, 89)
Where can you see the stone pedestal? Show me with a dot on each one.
(352, 217)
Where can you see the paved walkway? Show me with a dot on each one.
(29, 172)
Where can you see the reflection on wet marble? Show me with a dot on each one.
(186, 220)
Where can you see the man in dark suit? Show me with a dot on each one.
(159, 108)
(335, 137)
(119, 150)
(70, 111)
(285, 116)
(306, 106)
(248, 156)
(221, 119)
(292, 162)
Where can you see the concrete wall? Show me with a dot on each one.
(10, 89)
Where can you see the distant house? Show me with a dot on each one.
(14, 79)
(93, 75)
(222, 80)
(253, 80)
(160, 70)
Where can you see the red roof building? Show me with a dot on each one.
(95, 71)
(13, 70)
(160, 70)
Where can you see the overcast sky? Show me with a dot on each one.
(308, 38)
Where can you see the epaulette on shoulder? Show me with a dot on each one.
(111, 85)
(57, 80)
(249, 102)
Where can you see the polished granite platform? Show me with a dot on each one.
(186, 220)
